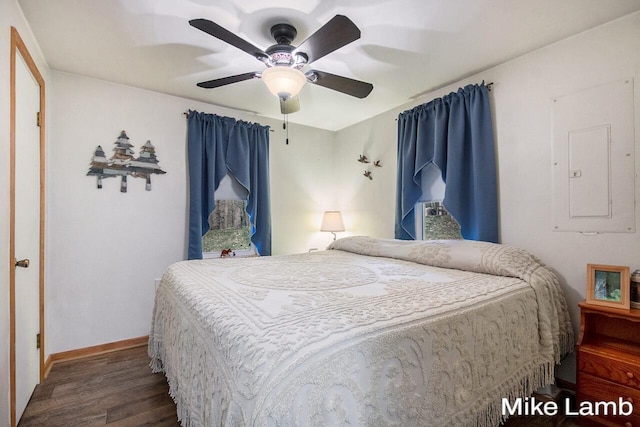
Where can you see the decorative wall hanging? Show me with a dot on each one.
(123, 163)
(367, 173)
(363, 159)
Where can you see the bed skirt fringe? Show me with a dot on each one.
(523, 385)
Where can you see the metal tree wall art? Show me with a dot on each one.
(123, 163)
(98, 163)
(147, 164)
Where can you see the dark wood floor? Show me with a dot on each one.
(540, 421)
(115, 389)
(119, 389)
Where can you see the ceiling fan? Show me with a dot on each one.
(284, 76)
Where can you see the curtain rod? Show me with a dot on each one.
(488, 85)
(186, 114)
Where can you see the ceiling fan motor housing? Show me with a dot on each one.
(281, 53)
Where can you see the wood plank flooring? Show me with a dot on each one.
(118, 389)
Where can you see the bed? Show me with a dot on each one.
(371, 332)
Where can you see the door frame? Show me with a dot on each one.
(18, 46)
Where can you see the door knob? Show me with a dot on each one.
(24, 263)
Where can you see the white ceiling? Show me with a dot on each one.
(407, 48)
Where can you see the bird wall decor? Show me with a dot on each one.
(367, 173)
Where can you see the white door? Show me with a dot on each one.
(27, 234)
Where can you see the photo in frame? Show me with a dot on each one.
(608, 285)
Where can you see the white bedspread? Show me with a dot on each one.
(372, 333)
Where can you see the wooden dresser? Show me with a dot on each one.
(608, 355)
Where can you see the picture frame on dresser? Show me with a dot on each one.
(608, 285)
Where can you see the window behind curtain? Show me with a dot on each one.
(433, 222)
(229, 226)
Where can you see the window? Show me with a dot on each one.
(229, 226)
(433, 222)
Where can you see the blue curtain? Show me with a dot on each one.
(456, 135)
(217, 145)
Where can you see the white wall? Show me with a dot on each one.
(522, 99)
(302, 187)
(368, 206)
(105, 247)
(10, 15)
(605, 54)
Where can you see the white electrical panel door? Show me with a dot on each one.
(589, 173)
(593, 172)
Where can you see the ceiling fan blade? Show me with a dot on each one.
(225, 35)
(289, 106)
(210, 84)
(346, 85)
(338, 32)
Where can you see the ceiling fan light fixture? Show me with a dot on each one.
(284, 82)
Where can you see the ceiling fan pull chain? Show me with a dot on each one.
(285, 121)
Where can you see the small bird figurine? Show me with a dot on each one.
(377, 164)
(368, 175)
(363, 159)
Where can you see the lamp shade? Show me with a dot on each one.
(332, 221)
(284, 82)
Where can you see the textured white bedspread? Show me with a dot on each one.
(371, 333)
